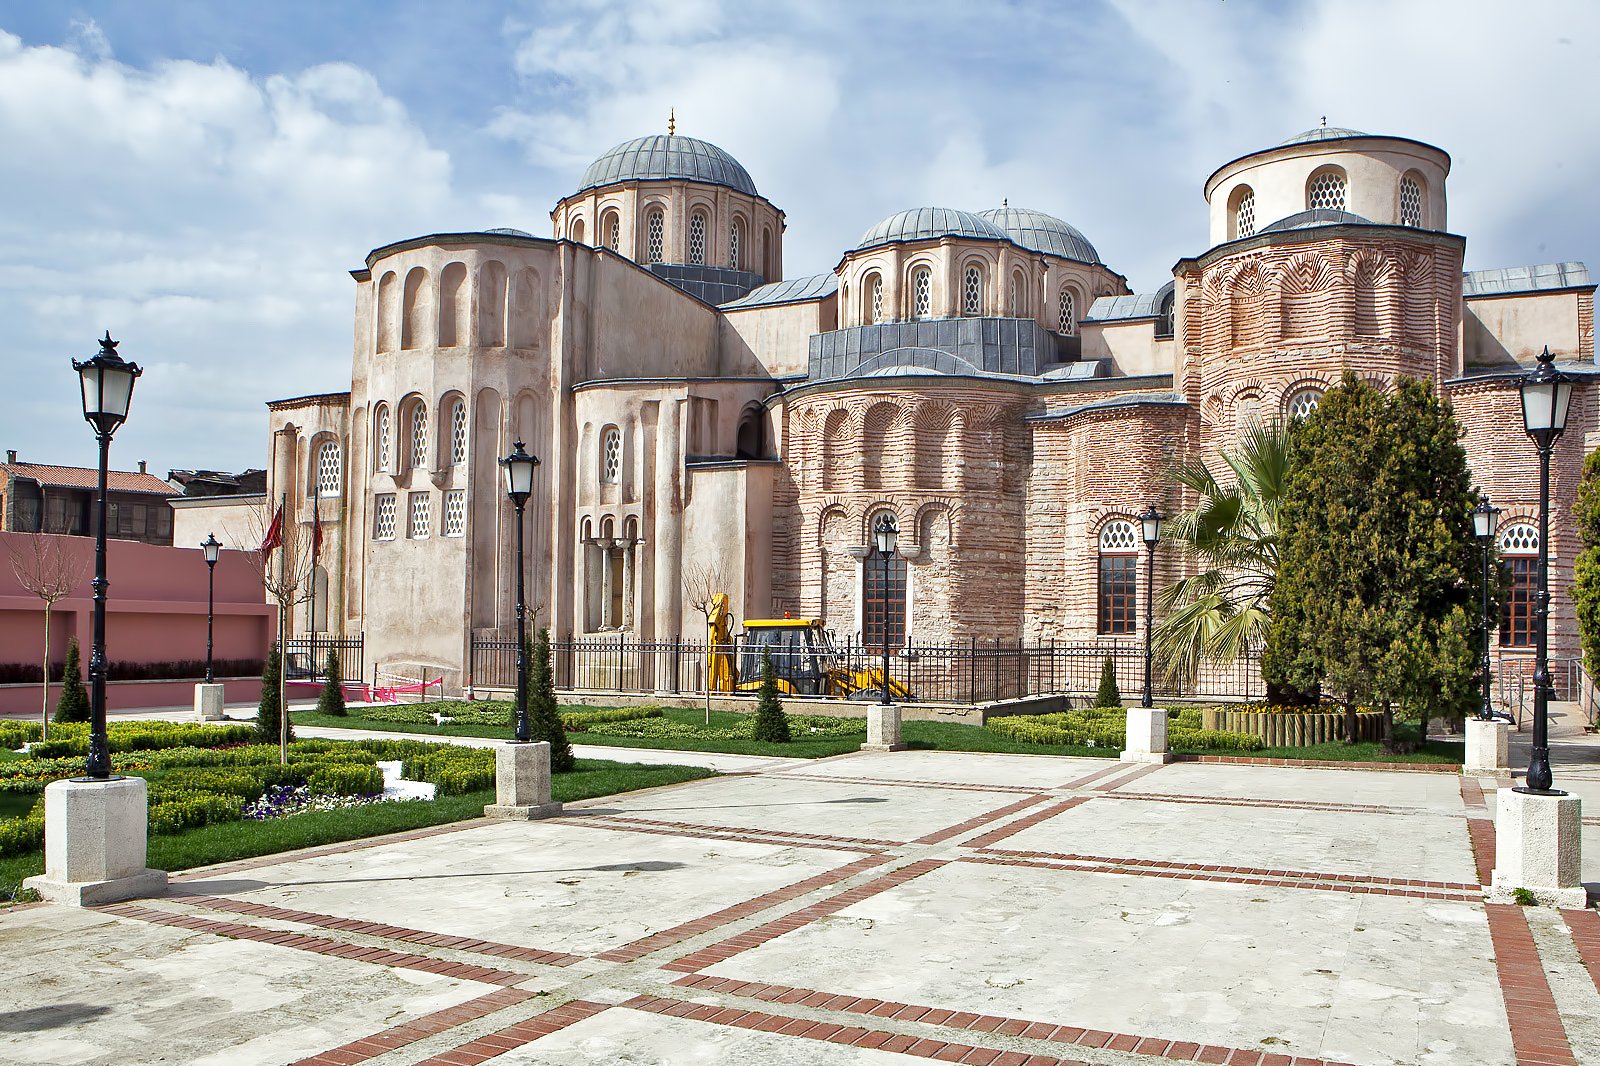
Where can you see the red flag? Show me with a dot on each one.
(274, 533)
(316, 533)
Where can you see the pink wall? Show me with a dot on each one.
(156, 610)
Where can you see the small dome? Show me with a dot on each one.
(668, 156)
(926, 223)
(507, 231)
(1323, 133)
(1042, 233)
(1320, 216)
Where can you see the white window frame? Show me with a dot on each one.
(458, 432)
(385, 517)
(330, 462)
(655, 235)
(382, 437)
(697, 238)
(455, 513)
(419, 436)
(419, 515)
(1066, 312)
(611, 456)
(922, 292)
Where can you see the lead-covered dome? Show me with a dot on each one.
(1040, 232)
(1323, 133)
(667, 156)
(1317, 216)
(930, 223)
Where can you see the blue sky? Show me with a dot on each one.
(198, 177)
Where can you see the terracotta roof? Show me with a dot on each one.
(78, 477)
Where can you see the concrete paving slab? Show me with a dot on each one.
(1438, 791)
(1313, 841)
(1360, 979)
(974, 768)
(84, 988)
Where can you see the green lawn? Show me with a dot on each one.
(230, 841)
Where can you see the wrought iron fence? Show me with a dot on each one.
(978, 671)
(306, 658)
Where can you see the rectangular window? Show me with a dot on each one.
(1119, 585)
(455, 513)
(419, 516)
(1516, 613)
(883, 605)
(383, 517)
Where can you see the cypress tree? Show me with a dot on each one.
(1109, 695)
(270, 709)
(771, 724)
(544, 720)
(73, 704)
(331, 701)
(1376, 595)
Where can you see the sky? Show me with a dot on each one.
(199, 178)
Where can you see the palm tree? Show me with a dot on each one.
(1228, 542)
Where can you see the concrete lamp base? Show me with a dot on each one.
(522, 783)
(883, 729)
(1488, 747)
(208, 702)
(1536, 847)
(1146, 736)
(94, 843)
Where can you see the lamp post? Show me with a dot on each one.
(1150, 522)
(211, 546)
(885, 533)
(1485, 517)
(518, 468)
(1546, 393)
(107, 383)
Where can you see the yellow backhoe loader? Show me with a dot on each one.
(804, 660)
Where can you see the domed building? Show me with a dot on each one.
(984, 376)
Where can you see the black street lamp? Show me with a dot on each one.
(1546, 393)
(885, 534)
(212, 547)
(107, 382)
(518, 468)
(1151, 523)
(1485, 517)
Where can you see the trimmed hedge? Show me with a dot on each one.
(1106, 727)
(451, 770)
(172, 670)
(15, 734)
(72, 738)
(578, 721)
(18, 836)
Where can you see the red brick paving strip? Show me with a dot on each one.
(514, 1036)
(1150, 868)
(1585, 929)
(1183, 1051)
(811, 838)
(1084, 782)
(399, 1036)
(1013, 828)
(1118, 782)
(1479, 827)
(668, 829)
(678, 933)
(1247, 801)
(727, 949)
(1472, 794)
(1537, 1035)
(387, 932)
(318, 945)
(1325, 764)
(940, 836)
(952, 786)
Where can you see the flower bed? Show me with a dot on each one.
(1106, 727)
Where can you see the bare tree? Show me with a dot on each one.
(705, 587)
(285, 571)
(47, 567)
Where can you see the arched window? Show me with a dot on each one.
(872, 300)
(611, 456)
(419, 436)
(1018, 296)
(697, 238)
(655, 236)
(577, 230)
(382, 437)
(883, 598)
(1242, 213)
(1325, 191)
(1067, 312)
(921, 292)
(458, 432)
(1411, 213)
(769, 269)
(328, 468)
(1519, 548)
(611, 230)
(736, 244)
(1119, 578)
(972, 290)
(1302, 403)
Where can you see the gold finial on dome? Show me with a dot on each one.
(672, 121)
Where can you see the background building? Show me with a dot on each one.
(42, 498)
(985, 376)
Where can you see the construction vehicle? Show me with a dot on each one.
(804, 662)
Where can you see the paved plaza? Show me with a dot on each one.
(867, 909)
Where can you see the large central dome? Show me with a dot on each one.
(1042, 233)
(927, 223)
(666, 156)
